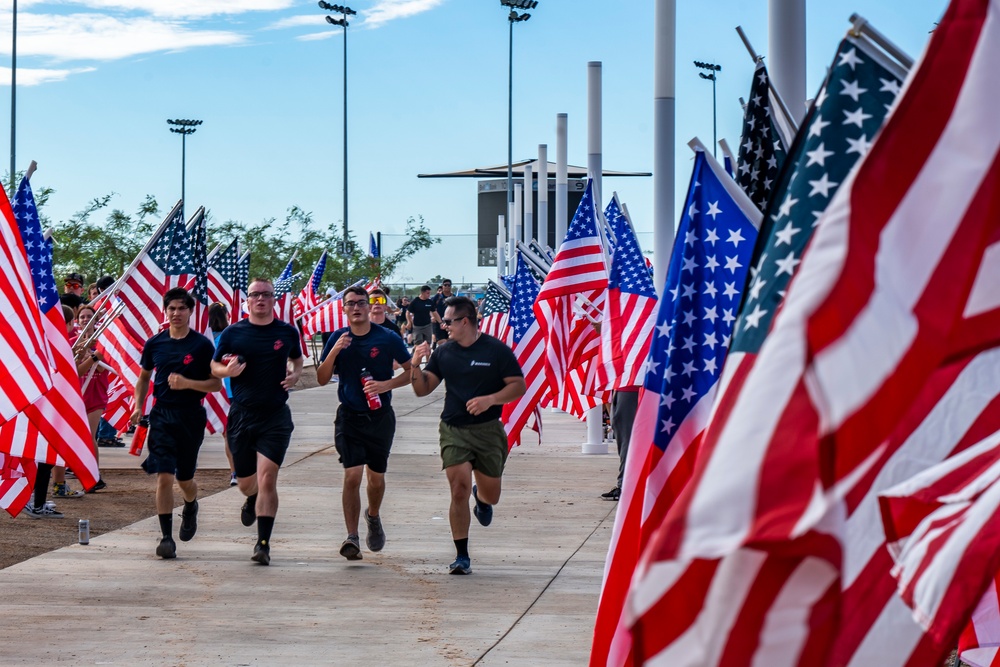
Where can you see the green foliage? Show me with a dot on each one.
(96, 248)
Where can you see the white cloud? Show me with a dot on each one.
(34, 77)
(97, 37)
(390, 10)
(185, 8)
(298, 21)
(314, 36)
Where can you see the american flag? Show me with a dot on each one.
(896, 281)
(574, 288)
(120, 405)
(762, 151)
(496, 307)
(630, 307)
(372, 246)
(283, 309)
(59, 431)
(308, 298)
(16, 482)
(529, 347)
(329, 316)
(979, 644)
(153, 272)
(224, 280)
(705, 278)
(243, 273)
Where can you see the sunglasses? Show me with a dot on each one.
(260, 295)
(447, 322)
(377, 300)
(355, 304)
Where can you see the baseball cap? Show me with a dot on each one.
(75, 278)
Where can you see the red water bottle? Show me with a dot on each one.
(374, 400)
(139, 437)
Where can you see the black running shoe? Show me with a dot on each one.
(613, 494)
(482, 511)
(167, 548)
(462, 565)
(248, 513)
(351, 548)
(189, 522)
(261, 554)
(376, 534)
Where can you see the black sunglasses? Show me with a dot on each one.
(447, 323)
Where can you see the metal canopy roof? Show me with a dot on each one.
(500, 171)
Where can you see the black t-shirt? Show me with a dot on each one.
(401, 315)
(391, 326)
(438, 302)
(472, 371)
(375, 352)
(267, 349)
(190, 356)
(421, 309)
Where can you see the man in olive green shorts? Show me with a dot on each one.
(481, 374)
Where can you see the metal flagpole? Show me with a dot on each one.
(543, 195)
(664, 84)
(594, 444)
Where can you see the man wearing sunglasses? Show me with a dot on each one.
(365, 423)
(263, 357)
(480, 374)
(379, 302)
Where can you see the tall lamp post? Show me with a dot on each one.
(345, 12)
(712, 68)
(512, 18)
(183, 127)
(13, 96)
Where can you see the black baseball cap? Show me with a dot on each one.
(74, 278)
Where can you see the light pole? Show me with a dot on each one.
(183, 128)
(13, 97)
(512, 18)
(711, 77)
(345, 11)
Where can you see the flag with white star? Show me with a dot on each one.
(705, 278)
(224, 279)
(496, 306)
(308, 298)
(836, 133)
(283, 308)
(528, 343)
(189, 259)
(762, 150)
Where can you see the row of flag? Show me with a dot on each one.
(813, 472)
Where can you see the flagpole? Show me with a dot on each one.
(793, 122)
(664, 85)
(786, 29)
(145, 249)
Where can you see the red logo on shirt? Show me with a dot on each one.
(278, 345)
(188, 359)
(374, 352)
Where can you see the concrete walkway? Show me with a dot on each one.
(531, 598)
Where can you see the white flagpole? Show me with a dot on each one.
(594, 444)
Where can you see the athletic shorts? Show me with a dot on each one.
(174, 438)
(422, 334)
(265, 431)
(440, 333)
(364, 438)
(483, 445)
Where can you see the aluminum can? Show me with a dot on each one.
(84, 531)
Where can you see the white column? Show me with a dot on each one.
(665, 47)
(786, 63)
(512, 238)
(529, 216)
(594, 443)
(562, 180)
(543, 195)
(518, 204)
(501, 239)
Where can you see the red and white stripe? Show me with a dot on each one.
(17, 481)
(221, 291)
(495, 324)
(626, 333)
(979, 644)
(875, 308)
(328, 317)
(119, 409)
(518, 414)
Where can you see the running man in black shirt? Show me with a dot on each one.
(364, 426)
(419, 316)
(480, 374)
(263, 357)
(182, 361)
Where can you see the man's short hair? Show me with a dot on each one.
(446, 281)
(104, 282)
(378, 291)
(425, 288)
(68, 314)
(356, 289)
(178, 294)
(463, 307)
(71, 300)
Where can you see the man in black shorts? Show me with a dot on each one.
(363, 432)
(440, 299)
(263, 357)
(419, 314)
(182, 361)
(481, 374)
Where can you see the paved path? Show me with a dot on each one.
(530, 601)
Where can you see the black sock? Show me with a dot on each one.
(189, 506)
(166, 523)
(252, 502)
(462, 547)
(265, 524)
(42, 476)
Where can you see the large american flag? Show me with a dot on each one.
(283, 308)
(630, 307)
(53, 429)
(895, 284)
(529, 347)
(496, 308)
(762, 149)
(153, 272)
(574, 288)
(224, 280)
(705, 278)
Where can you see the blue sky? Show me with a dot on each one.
(97, 80)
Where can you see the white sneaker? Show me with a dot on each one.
(45, 512)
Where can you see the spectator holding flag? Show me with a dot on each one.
(481, 374)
